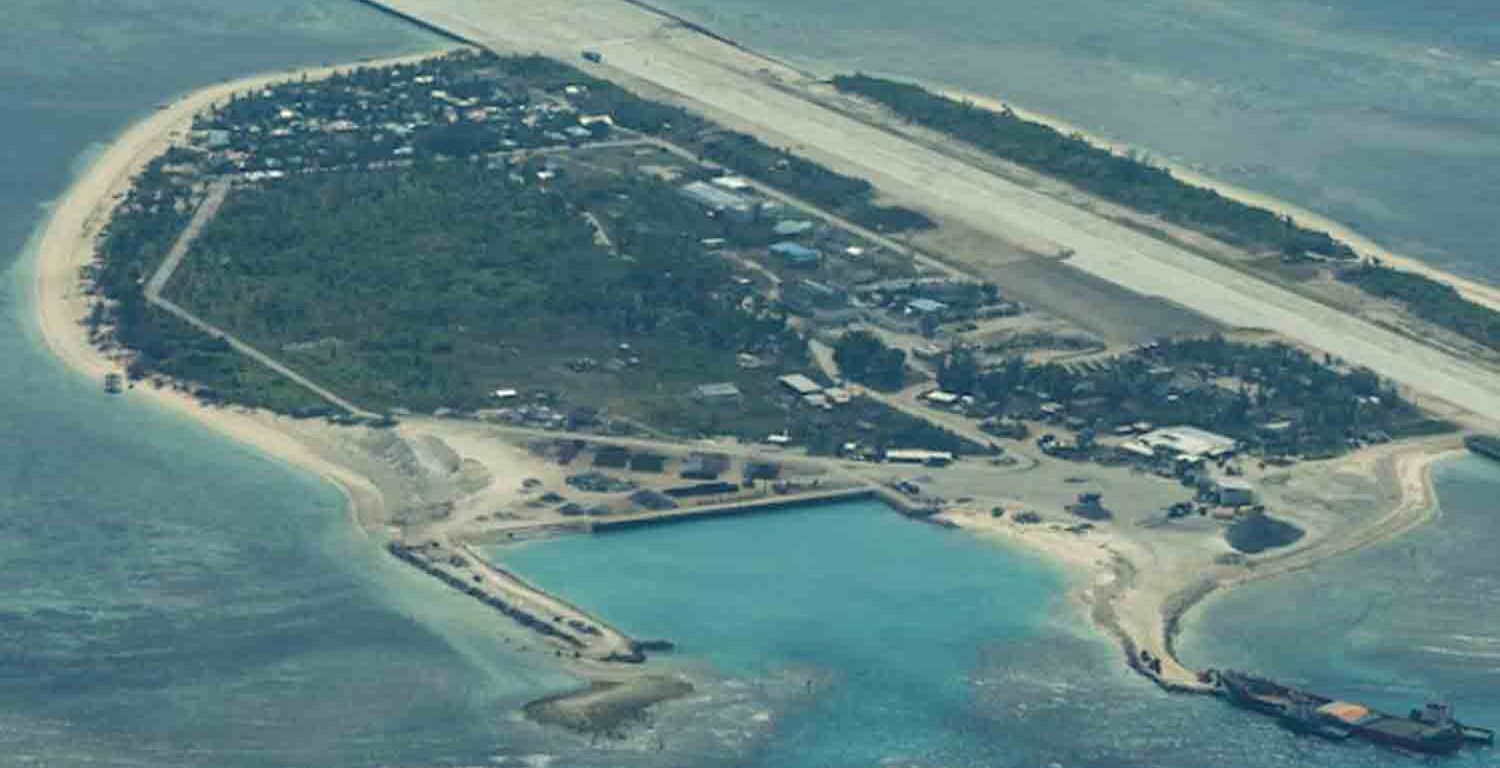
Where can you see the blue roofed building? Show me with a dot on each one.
(796, 254)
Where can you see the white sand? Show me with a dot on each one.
(67, 246)
(1137, 582)
(724, 80)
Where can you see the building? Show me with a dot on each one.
(732, 183)
(796, 254)
(800, 385)
(926, 307)
(704, 466)
(918, 456)
(1234, 491)
(939, 397)
(816, 400)
(719, 200)
(721, 392)
(1182, 441)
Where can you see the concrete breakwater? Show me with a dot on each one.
(463, 569)
(415, 557)
(737, 508)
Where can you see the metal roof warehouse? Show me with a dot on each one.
(1184, 441)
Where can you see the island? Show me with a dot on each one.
(496, 295)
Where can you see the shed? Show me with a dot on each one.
(718, 392)
(926, 306)
(1234, 491)
(719, 200)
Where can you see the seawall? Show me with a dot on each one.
(756, 506)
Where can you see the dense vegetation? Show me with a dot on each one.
(1125, 180)
(380, 240)
(1272, 398)
(875, 428)
(863, 357)
(433, 285)
(1430, 300)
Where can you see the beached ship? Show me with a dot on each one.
(1487, 446)
(1430, 730)
(114, 383)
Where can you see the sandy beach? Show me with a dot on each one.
(67, 245)
(1136, 589)
(351, 459)
(1137, 584)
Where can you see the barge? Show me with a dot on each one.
(1430, 730)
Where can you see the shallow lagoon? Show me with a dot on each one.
(887, 621)
(924, 646)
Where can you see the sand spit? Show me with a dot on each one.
(1137, 582)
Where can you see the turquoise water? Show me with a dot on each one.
(169, 599)
(1416, 618)
(918, 646)
(1383, 114)
(886, 621)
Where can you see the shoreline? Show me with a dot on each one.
(1474, 289)
(66, 245)
(1416, 505)
(1145, 611)
(59, 304)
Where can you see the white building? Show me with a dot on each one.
(1182, 441)
(918, 456)
(800, 385)
(939, 397)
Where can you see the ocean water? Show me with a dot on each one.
(920, 646)
(170, 599)
(167, 598)
(887, 622)
(1380, 114)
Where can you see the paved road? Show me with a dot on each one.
(756, 95)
